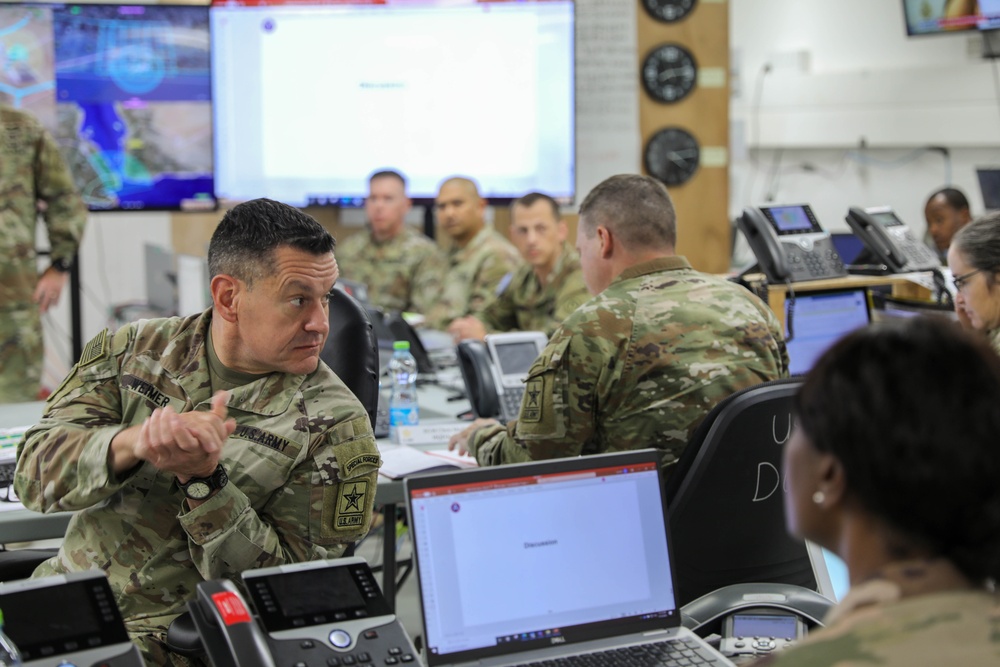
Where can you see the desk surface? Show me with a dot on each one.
(21, 525)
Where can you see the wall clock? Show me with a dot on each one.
(672, 155)
(669, 73)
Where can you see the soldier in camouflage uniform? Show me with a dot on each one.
(478, 259)
(643, 362)
(546, 289)
(402, 268)
(893, 465)
(237, 392)
(31, 170)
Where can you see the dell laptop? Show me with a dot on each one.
(549, 561)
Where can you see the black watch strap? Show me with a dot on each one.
(200, 488)
(61, 264)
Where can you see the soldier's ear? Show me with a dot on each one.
(225, 296)
(607, 240)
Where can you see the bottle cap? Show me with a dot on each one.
(401, 345)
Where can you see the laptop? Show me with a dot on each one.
(548, 560)
(819, 320)
(989, 186)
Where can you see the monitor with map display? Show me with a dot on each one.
(125, 90)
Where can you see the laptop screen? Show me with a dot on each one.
(989, 186)
(820, 319)
(526, 556)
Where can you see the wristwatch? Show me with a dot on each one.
(199, 488)
(61, 264)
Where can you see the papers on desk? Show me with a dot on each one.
(9, 437)
(398, 461)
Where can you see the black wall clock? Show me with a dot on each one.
(672, 155)
(669, 73)
(669, 11)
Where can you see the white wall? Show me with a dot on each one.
(842, 71)
(113, 273)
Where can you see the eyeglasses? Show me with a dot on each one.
(959, 281)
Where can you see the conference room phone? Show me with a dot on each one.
(890, 241)
(328, 612)
(759, 631)
(68, 620)
(790, 244)
(495, 371)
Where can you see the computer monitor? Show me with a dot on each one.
(989, 186)
(818, 320)
(832, 578)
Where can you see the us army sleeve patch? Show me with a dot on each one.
(531, 404)
(351, 502)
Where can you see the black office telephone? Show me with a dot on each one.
(67, 619)
(494, 371)
(790, 244)
(316, 613)
(889, 240)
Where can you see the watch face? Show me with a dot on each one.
(668, 10)
(669, 73)
(672, 155)
(198, 490)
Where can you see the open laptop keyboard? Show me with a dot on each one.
(673, 653)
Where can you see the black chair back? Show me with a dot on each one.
(725, 499)
(351, 349)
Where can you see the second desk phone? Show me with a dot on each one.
(494, 372)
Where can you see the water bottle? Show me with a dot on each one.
(9, 655)
(403, 409)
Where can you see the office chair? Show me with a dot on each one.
(725, 498)
(351, 349)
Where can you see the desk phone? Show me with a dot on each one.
(495, 372)
(790, 244)
(328, 613)
(67, 620)
(759, 632)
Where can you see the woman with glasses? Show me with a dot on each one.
(974, 259)
(893, 465)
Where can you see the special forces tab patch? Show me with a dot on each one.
(351, 505)
(531, 407)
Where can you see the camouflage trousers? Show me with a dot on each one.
(156, 653)
(21, 355)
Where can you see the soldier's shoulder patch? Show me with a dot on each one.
(531, 404)
(351, 502)
(97, 349)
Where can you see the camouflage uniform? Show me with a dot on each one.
(31, 169)
(640, 365)
(527, 305)
(403, 273)
(302, 465)
(916, 617)
(474, 274)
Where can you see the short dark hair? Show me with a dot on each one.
(909, 408)
(955, 198)
(388, 173)
(638, 209)
(533, 198)
(243, 244)
(979, 244)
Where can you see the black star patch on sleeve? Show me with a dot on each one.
(351, 504)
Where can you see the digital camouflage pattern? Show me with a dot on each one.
(302, 465)
(31, 169)
(527, 305)
(640, 365)
(403, 273)
(903, 621)
(473, 276)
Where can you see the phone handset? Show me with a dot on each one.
(480, 380)
(764, 243)
(230, 634)
(875, 238)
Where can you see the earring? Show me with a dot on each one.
(819, 497)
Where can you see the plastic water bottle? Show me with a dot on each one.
(9, 655)
(403, 409)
